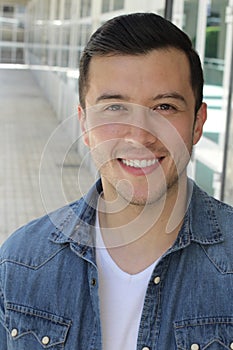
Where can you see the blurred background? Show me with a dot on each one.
(40, 46)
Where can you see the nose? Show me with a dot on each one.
(139, 136)
(139, 130)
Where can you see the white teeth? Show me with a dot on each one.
(136, 163)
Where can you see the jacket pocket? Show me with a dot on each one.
(210, 333)
(30, 328)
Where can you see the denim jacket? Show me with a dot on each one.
(49, 283)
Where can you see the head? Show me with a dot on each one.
(141, 107)
(139, 34)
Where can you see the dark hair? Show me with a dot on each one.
(135, 34)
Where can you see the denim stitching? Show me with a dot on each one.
(33, 267)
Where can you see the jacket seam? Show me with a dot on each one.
(8, 260)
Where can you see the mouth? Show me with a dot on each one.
(137, 163)
(140, 166)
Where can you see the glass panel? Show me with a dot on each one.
(214, 37)
(118, 5)
(68, 4)
(20, 33)
(6, 55)
(19, 55)
(65, 57)
(7, 31)
(190, 19)
(214, 65)
(57, 15)
(84, 35)
(8, 11)
(214, 60)
(105, 6)
(215, 43)
(204, 177)
(112, 5)
(65, 31)
(7, 26)
(85, 8)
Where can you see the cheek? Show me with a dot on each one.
(106, 134)
(180, 137)
(103, 142)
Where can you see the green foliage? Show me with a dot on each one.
(212, 38)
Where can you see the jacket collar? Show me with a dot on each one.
(200, 223)
(75, 222)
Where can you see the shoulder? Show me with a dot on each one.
(212, 225)
(207, 205)
(42, 238)
(33, 239)
(211, 221)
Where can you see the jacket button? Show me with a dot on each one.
(45, 340)
(145, 348)
(14, 332)
(93, 282)
(157, 280)
(195, 347)
(231, 346)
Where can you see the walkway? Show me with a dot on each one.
(40, 169)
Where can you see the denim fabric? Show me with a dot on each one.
(49, 283)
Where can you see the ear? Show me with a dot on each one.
(83, 121)
(201, 117)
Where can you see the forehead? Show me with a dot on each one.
(163, 69)
(158, 58)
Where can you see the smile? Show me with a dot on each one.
(136, 163)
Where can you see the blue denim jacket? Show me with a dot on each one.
(49, 283)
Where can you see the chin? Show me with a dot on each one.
(140, 198)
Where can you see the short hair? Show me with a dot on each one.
(136, 34)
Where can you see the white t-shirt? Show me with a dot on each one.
(121, 299)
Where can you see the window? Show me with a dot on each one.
(215, 43)
(118, 5)
(85, 8)
(68, 5)
(112, 5)
(8, 11)
(105, 5)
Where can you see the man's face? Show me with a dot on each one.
(139, 123)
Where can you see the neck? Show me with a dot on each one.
(132, 221)
(129, 230)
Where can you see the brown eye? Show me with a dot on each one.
(165, 108)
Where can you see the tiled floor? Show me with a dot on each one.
(40, 169)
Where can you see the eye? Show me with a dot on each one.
(115, 108)
(164, 107)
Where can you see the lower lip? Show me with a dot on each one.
(140, 171)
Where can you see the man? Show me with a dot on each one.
(144, 260)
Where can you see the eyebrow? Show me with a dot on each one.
(171, 95)
(107, 96)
